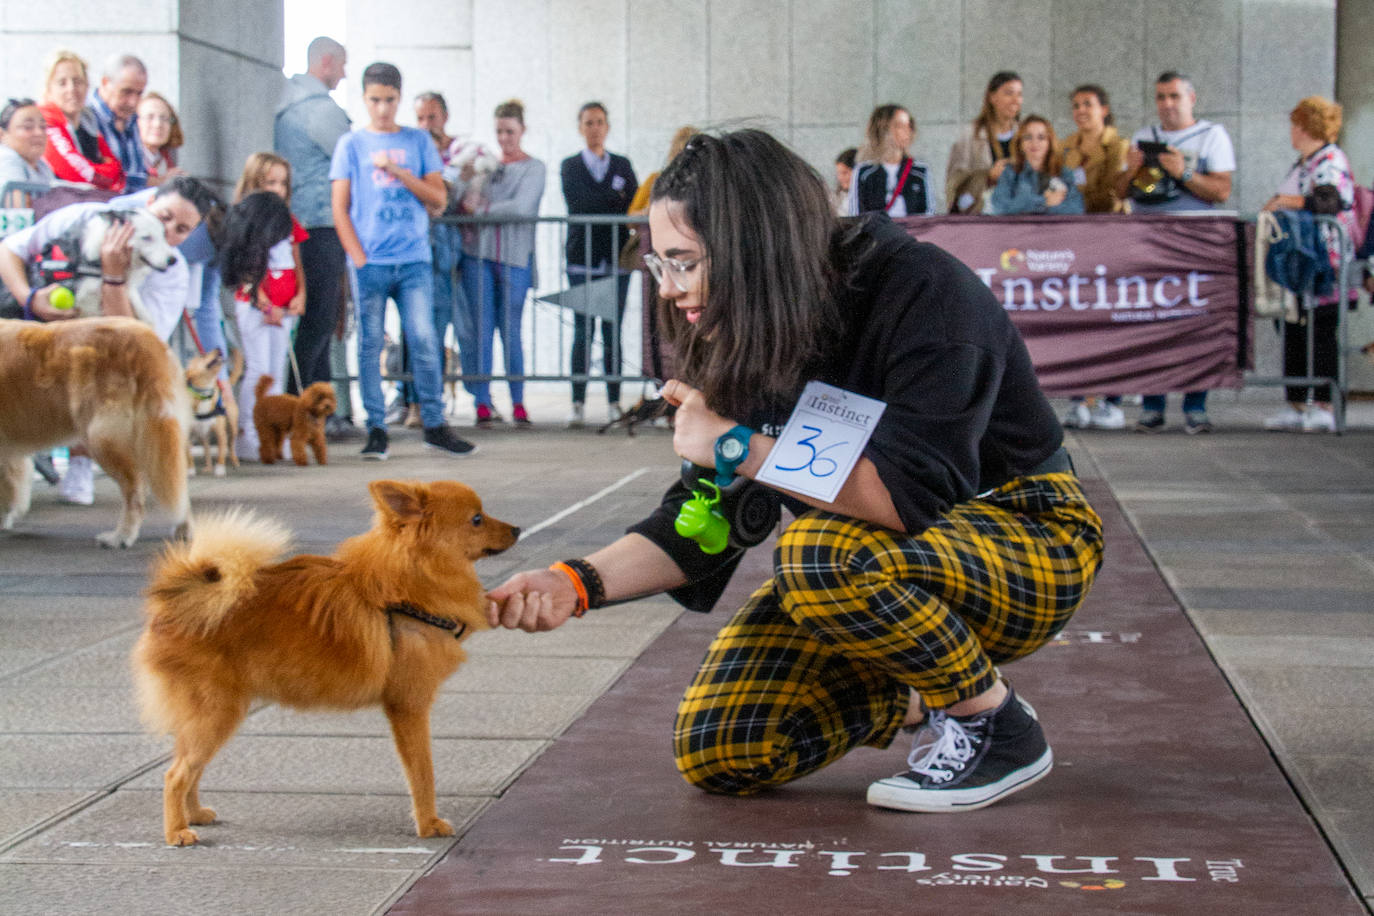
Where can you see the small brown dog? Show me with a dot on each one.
(375, 624)
(278, 415)
(215, 413)
(110, 383)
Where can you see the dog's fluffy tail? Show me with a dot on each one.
(264, 383)
(198, 582)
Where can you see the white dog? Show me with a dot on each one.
(484, 162)
(151, 252)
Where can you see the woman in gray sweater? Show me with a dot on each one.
(499, 264)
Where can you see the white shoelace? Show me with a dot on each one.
(942, 747)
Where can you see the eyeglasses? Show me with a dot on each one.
(675, 270)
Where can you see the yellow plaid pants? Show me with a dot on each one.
(820, 659)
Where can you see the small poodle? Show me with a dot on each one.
(279, 415)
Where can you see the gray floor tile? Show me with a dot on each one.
(535, 674)
(455, 715)
(74, 761)
(21, 809)
(253, 831)
(355, 765)
(72, 710)
(175, 890)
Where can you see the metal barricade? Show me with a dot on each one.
(557, 297)
(16, 205)
(1345, 272)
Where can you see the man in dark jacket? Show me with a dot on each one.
(596, 182)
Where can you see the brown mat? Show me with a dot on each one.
(1163, 799)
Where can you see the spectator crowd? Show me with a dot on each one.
(338, 212)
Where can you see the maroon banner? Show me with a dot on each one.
(1112, 304)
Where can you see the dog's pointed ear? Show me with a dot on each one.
(400, 499)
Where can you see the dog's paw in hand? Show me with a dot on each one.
(186, 837)
(434, 826)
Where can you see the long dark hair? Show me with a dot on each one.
(251, 227)
(770, 286)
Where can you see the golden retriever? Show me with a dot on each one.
(374, 624)
(107, 382)
(302, 418)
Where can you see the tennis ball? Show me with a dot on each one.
(61, 298)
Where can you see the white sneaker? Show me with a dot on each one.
(614, 413)
(1106, 415)
(1079, 416)
(78, 484)
(1318, 420)
(1287, 420)
(577, 419)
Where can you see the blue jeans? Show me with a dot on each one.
(584, 328)
(411, 287)
(450, 303)
(208, 316)
(1193, 402)
(495, 302)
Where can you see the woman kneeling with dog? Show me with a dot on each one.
(960, 539)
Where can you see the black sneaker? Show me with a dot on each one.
(443, 437)
(339, 429)
(375, 450)
(1195, 422)
(1151, 421)
(968, 762)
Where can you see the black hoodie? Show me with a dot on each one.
(965, 413)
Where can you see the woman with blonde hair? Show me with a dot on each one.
(1321, 182)
(983, 149)
(1037, 180)
(76, 151)
(159, 130)
(886, 178)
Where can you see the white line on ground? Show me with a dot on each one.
(558, 517)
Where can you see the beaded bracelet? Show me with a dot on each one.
(586, 581)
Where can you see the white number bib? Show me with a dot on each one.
(822, 441)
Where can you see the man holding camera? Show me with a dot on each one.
(1181, 164)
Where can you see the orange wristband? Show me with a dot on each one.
(577, 585)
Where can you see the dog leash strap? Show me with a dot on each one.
(410, 610)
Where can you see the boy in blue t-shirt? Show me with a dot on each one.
(384, 177)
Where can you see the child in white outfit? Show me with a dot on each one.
(267, 299)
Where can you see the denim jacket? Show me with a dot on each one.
(308, 126)
(1019, 192)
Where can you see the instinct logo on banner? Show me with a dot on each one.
(981, 869)
(1057, 285)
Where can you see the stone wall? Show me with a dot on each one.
(811, 70)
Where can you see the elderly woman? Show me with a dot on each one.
(160, 132)
(983, 149)
(886, 178)
(23, 138)
(1319, 181)
(75, 152)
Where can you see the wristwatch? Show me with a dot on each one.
(731, 450)
(1187, 175)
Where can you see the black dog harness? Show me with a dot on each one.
(410, 610)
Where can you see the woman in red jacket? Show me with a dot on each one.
(74, 152)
